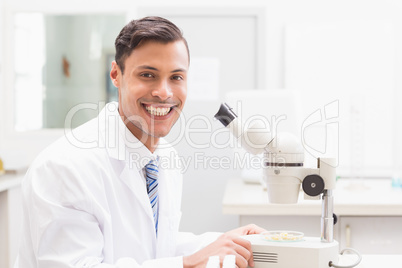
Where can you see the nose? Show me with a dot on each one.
(163, 90)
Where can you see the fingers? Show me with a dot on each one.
(229, 261)
(226, 244)
(243, 248)
(253, 229)
(247, 230)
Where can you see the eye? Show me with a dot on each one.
(147, 75)
(177, 77)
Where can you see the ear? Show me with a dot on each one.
(115, 74)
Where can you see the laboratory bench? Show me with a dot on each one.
(369, 213)
(373, 261)
(10, 217)
(366, 208)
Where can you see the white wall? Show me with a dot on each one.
(1, 75)
(278, 15)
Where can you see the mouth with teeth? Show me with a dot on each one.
(158, 111)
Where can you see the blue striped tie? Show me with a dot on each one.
(151, 171)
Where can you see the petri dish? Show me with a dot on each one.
(282, 236)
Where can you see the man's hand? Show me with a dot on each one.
(229, 243)
(247, 230)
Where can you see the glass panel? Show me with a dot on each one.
(62, 61)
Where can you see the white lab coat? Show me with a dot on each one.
(85, 203)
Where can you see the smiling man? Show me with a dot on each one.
(152, 82)
(113, 204)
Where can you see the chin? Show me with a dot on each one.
(159, 134)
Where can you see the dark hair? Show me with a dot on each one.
(148, 28)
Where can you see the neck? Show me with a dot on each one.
(149, 141)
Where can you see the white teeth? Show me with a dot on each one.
(157, 111)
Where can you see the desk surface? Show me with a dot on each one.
(9, 181)
(373, 261)
(358, 197)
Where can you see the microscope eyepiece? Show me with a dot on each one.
(225, 115)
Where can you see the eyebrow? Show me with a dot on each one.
(147, 67)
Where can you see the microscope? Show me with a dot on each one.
(284, 175)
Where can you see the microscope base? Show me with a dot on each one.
(307, 253)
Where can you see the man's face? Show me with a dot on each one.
(153, 88)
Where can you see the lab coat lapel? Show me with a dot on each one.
(163, 227)
(112, 137)
(166, 243)
(136, 183)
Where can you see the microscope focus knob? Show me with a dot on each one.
(335, 218)
(313, 185)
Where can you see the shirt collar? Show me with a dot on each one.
(120, 142)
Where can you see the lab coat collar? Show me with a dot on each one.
(123, 146)
(120, 143)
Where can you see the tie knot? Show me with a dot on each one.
(152, 163)
(152, 170)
